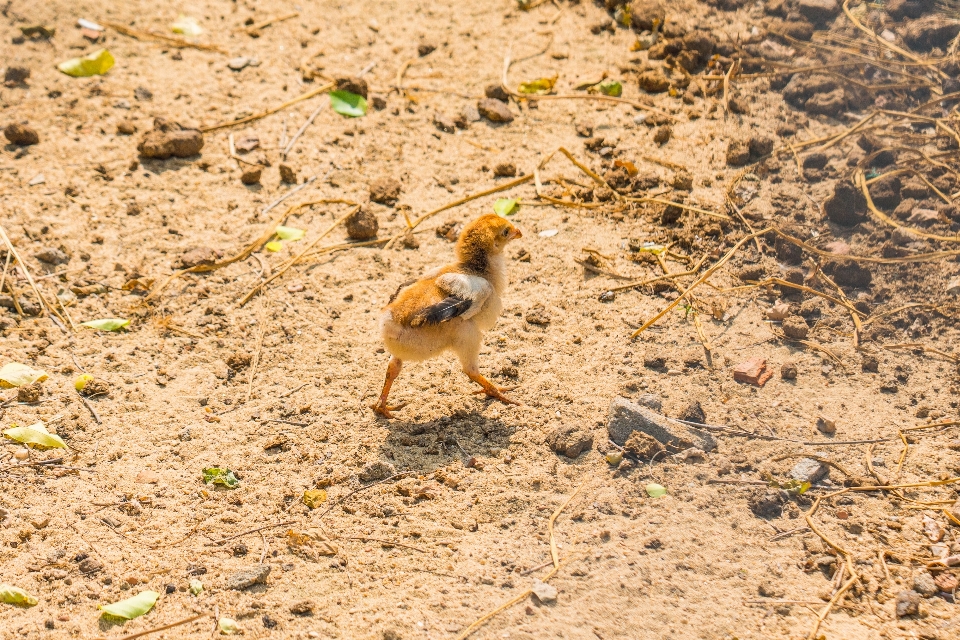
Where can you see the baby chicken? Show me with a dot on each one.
(449, 308)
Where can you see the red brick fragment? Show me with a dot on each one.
(752, 372)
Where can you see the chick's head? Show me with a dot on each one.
(488, 234)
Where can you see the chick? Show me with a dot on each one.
(450, 307)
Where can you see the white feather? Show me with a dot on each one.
(472, 288)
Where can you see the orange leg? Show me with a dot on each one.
(490, 389)
(381, 408)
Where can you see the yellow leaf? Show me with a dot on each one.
(15, 595)
(274, 246)
(94, 64)
(15, 374)
(289, 233)
(82, 381)
(35, 436)
(539, 86)
(313, 498)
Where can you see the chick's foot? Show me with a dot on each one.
(492, 390)
(385, 410)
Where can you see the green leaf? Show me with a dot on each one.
(15, 374)
(538, 86)
(187, 26)
(610, 88)
(220, 475)
(504, 207)
(274, 246)
(656, 490)
(290, 233)
(313, 498)
(94, 64)
(106, 324)
(196, 587)
(15, 595)
(348, 104)
(228, 626)
(35, 436)
(131, 607)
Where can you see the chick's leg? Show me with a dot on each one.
(381, 408)
(489, 388)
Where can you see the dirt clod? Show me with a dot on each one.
(353, 85)
(198, 256)
(494, 110)
(569, 440)
(385, 190)
(362, 225)
(21, 135)
(795, 327)
(505, 170)
(908, 603)
(170, 139)
(30, 392)
(248, 577)
(288, 174)
(251, 175)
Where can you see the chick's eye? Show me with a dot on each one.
(506, 232)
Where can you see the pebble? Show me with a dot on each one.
(287, 174)
(239, 63)
(362, 225)
(569, 440)
(826, 424)
(444, 123)
(248, 577)
(494, 110)
(924, 584)
(809, 470)
(250, 175)
(377, 470)
(169, 139)
(908, 603)
(126, 128)
(51, 255)
(546, 593)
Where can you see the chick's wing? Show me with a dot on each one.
(464, 296)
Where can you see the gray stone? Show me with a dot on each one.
(908, 603)
(651, 401)
(546, 593)
(494, 110)
(626, 417)
(377, 471)
(52, 256)
(248, 577)
(809, 470)
(924, 585)
(236, 64)
(818, 11)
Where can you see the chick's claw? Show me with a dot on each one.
(385, 410)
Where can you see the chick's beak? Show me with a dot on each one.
(515, 234)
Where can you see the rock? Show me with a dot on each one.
(924, 585)
(302, 608)
(287, 174)
(826, 424)
(795, 327)
(693, 412)
(569, 440)
(15, 75)
(505, 170)
(818, 11)
(953, 288)
(247, 142)
(426, 49)
(239, 63)
(494, 110)
(738, 153)
(169, 139)
(385, 190)
(847, 206)
(248, 577)
(30, 392)
(766, 503)
(126, 128)
(496, 92)
(923, 217)
(930, 31)
(653, 81)
(946, 582)
(625, 417)
(885, 192)
(21, 135)
(362, 225)
(378, 470)
(908, 603)
(357, 86)
(788, 371)
(545, 593)
(585, 129)
(199, 256)
(88, 566)
(753, 372)
(809, 470)
(469, 113)
(53, 256)
(662, 134)
(251, 174)
(444, 122)
(538, 315)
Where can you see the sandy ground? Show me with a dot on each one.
(427, 555)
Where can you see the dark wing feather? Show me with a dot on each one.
(447, 309)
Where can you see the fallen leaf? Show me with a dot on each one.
(228, 626)
(610, 88)
(221, 476)
(35, 436)
(106, 324)
(629, 166)
(504, 207)
(778, 312)
(131, 607)
(82, 381)
(196, 587)
(94, 64)
(187, 26)
(290, 233)
(274, 246)
(17, 596)
(539, 86)
(313, 498)
(310, 543)
(656, 490)
(348, 104)
(15, 374)
(144, 284)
